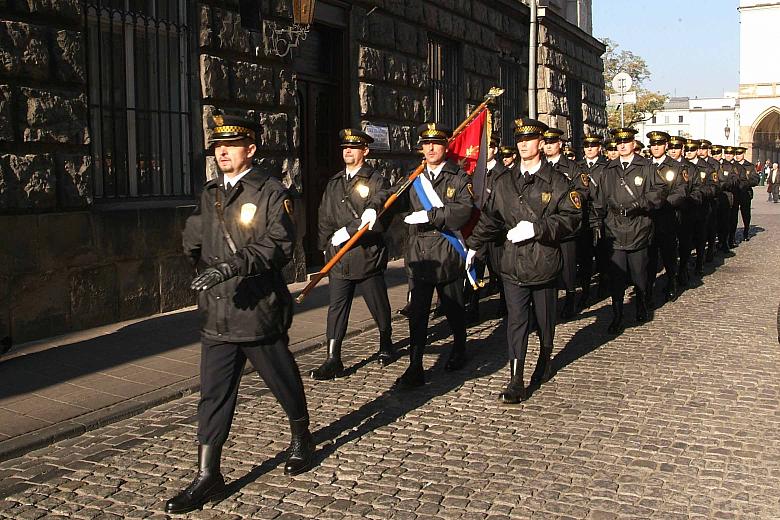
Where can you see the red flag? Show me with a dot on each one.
(469, 149)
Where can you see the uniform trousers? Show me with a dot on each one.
(625, 264)
(664, 244)
(569, 272)
(711, 227)
(685, 237)
(699, 235)
(520, 301)
(585, 257)
(746, 210)
(734, 217)
(342, 292)
(451, 303)
(724, 211)
(221, 367)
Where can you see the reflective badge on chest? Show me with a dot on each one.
(450, 192)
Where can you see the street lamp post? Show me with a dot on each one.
(727, 130)
(532, 45)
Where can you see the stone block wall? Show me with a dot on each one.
(568, 52)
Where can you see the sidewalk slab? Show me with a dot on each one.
(61, 387)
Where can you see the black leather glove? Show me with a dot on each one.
(596, 235)
(212, 276)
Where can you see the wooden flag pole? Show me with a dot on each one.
(322, 273)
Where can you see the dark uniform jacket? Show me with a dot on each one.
(595, 178)
(255, 305)
(579, 181)
(496, 247)
(548, 201)
(342, 205)
(665, 217)
(693, 188)
(429, 255)
(752, 176)
(728, 180)
(624, 201)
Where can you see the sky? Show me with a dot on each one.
(691, 47)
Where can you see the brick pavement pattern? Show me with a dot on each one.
(677, 418)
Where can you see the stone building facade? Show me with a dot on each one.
(103, 123)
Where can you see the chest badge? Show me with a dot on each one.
(685, 175)
(450, 192)
(703, 175)
(585, 178)
(248, 211)
(714, 176)
(546, 196)
(362, 190)
(575, 199)
(638, 180)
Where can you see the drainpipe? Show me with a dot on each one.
(532, 43)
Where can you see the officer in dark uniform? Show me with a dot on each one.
(665, 218)
(240, 236)
(610, 150)
(343, 203)
(534, 207)
(707, 162)
(594, 164)
(700, 169)
(578, 180)
(738, 191)
(508, 156)
(728, 181)
(690, 216)
(631, 188)
(433, 261)
(640, 149)
(753, 179)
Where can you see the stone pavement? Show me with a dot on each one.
(677, 418)
(58, 388)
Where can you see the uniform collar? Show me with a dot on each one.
(229, 183)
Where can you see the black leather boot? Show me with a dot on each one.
(543, 371)
(582, 303)
(332, 367)
(515, 390)
(457, 358)
(616, 326)
(568, 305)
(670, 292)
(414, 376)
(386, 352)
(300, 454)
(208, 486)
(641, 307)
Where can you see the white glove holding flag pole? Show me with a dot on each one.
(339, 237)
(368, 217)
(470, 259)
(524, 230)
(418, 217)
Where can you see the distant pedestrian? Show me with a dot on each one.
(765, 171)
(773, 183)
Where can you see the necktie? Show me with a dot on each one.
(625, 165)
(590, 164)
(526, 177)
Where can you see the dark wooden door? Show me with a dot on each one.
(319, 67)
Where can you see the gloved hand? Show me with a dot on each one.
(470, 259)
(524, 230)
(339, 237)
(368, 217)
(596, 235)
(418, 217)
(212, 276)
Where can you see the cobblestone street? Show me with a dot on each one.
(674, 419)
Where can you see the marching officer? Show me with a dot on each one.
(738, 190)
(704, 185)
(665, 223)
(753, 179)
(594, 164)
(568, 245)
(690, 215)
(534, 207)
(343, 203)
(508, 156)
(441, 204)
(496, 168)
(241, 235)
(712, 194)
(631, 188)
(728, 182)
(610, 149)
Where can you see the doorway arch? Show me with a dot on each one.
(766, 136)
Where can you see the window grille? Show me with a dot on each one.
(142, 81)
(445, 74)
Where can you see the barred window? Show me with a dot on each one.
(445, 74)
(513, 103)
(141, 97)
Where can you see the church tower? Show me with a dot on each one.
(759, 80)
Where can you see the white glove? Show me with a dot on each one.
(524, 230)
(470, 259)
(339, 237)
(418, 217)
(368, 217)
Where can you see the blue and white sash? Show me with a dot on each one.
(430, 199)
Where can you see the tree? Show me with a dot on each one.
(648, 102)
